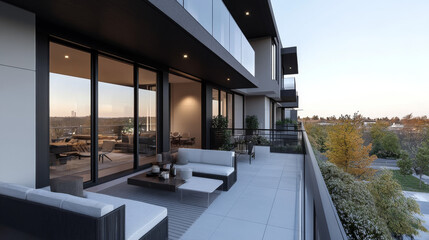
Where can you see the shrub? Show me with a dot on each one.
(398, 211)
(252, 122)
(354, 203)
(405, 164)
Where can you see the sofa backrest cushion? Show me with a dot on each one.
(186, 155)
(215, 157)
(86, 206)
(14, 190)
(46, 197)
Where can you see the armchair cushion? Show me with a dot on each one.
(14, 190)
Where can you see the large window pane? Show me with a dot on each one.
(223, 103)
(230, 122)
(238, 111)
(215, 102)
(201, 10)
(147, 116)
(235, 39)
(115, 116)
(70, 112)
(221, 23)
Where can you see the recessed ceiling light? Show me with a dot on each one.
(228, 79)
(290, 67)
(247, 13)
(66, 56)
(185, 55)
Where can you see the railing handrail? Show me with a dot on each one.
(329, 225)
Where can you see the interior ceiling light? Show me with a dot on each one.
(247, 13)
(185, 55)
(66, 56)
(228, 79)
(290, 68)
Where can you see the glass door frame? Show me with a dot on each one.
(95, 180)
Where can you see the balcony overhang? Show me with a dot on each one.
(259, 22)
(154, 32)
(289, 61)
(293, 104)
(288, 95)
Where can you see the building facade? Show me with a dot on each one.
(98, 89)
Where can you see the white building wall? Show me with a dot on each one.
(17, 96)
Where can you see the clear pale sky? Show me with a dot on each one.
(370, 56)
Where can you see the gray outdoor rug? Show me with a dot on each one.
(180, 216)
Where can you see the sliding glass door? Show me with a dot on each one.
(119, 97)
(70, 112)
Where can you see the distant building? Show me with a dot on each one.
(395, 126)
(73, 113)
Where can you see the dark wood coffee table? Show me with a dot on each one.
(143, 180)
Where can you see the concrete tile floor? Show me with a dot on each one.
(263, 204)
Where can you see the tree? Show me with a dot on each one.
(405, 164)
(385, 144)
(398, 211)
(346, 148)
(354, 204)
(422, 159)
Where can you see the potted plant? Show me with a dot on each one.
(221, 136)
(252, 124)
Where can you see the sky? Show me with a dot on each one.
(367, 56)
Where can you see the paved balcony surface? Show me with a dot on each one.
(264, 203)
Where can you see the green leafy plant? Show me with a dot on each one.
(422, 159)
(405, 164)
(252, 122)
(354, 203)
(259, 140)
(399, 212)
(220, 124)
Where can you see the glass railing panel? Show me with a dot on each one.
(288, 83)
(180, 2)
(221, 23)
(201, 10)
(247, 56)
(235, 37)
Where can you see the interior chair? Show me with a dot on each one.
(106, 148)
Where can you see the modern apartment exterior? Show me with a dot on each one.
(131, 72)
(98, 88)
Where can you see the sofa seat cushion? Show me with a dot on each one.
(208, 168)
(86, 206)
(216, 157)
(14, 190)
(140, 217)
(46, 197)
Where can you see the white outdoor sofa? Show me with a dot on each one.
(50, 215)
(213, 164)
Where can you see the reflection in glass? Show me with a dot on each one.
(201, 10)
(147, 116)
(223, 103)
(230, 121)
(69, 114)
(115, 116)
(221, 23)
(215, 102)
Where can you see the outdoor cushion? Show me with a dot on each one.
(188, 155)
(140, 217)
(208, 168)
(86, 206)
(223, 158)
(14, 190)
(46, 197)
(72, 185)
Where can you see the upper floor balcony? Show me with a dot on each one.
(288, 93)
(217, 20)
